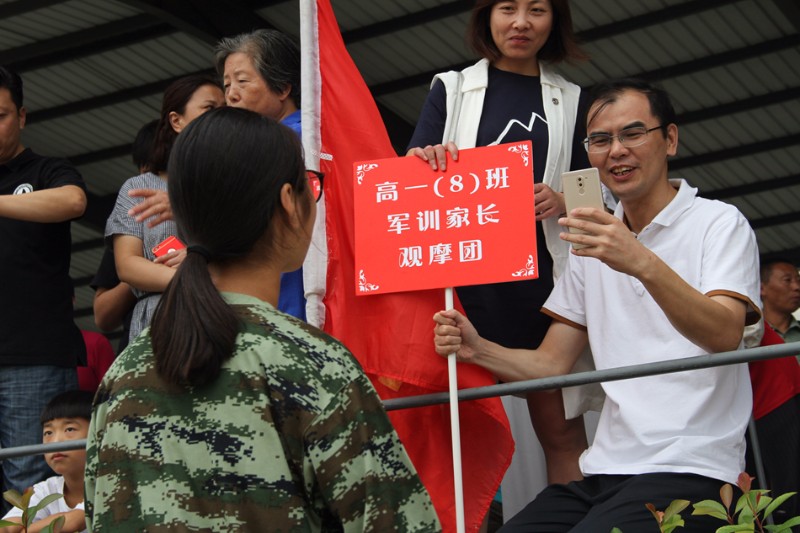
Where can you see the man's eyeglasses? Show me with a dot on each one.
(629, 138)
(315, 183)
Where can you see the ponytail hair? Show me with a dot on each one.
(226, 171)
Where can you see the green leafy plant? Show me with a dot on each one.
(752, 509)
(22, 501)
(667, 520)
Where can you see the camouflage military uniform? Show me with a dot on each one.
(290, 437)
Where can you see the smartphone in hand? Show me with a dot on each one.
(582, 189)
(170, 244)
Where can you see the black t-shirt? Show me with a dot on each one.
(106, 277)
(36, 317)
(507, 313)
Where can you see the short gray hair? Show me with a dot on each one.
(275, 55)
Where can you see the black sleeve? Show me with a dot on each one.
(580, 159)
(106, 276)
(430, 126)
(60, 172)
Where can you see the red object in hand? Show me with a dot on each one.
(168, 245)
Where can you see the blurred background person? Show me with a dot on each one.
(776, 412)
(137, 265)
(780, 293)
(39, 197)
(261, 72)
(114, 300)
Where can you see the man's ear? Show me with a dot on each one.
(23, 115)
(672, 139)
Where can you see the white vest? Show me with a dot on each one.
(560, 99)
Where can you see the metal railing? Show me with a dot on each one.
(519, 387)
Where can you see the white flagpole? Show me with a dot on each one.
(455, 426)
(315, 267)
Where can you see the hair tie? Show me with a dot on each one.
(200, 250)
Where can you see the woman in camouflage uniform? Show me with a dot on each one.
(230, 415)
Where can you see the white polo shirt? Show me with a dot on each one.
(691, 422)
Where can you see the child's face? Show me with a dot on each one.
(60, 430)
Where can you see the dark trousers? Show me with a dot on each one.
(779, 439)
(600, 503)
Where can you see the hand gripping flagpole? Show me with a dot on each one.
(455, 427)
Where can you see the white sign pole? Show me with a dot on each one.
(455, 427)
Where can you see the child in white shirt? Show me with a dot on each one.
(66, 417)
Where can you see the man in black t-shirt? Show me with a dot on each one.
(40, 345)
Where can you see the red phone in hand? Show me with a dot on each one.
(170, 244)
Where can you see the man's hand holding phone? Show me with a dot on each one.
(607, 238)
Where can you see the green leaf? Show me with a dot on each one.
(741, 503)
(673, 523)
(746, 516)
(777, 503)
(616, 530)
(763, 502)
(6, 523)
(44, 502)
(710, 508)
(675, 507)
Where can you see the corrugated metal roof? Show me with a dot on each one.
(94, 71)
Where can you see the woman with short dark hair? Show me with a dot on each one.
(513, 94)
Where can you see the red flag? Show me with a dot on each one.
(391, 334)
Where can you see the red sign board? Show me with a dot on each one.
(416, 228)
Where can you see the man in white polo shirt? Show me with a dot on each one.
(668, 275)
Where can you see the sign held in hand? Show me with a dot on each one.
(416, 228)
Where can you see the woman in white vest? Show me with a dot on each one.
(510, 95)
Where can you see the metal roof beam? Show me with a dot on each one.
(406, 21)
(409, 82)
(748, 104)
(699, 65)
(208, 20)
(792, 255)
(118, 97)
(776, 220)
(753, 188)
(100, 155)
(653, 18)
(21, 7)
(790, 141)
(790, 9)
(64, 48)
(723, 58)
